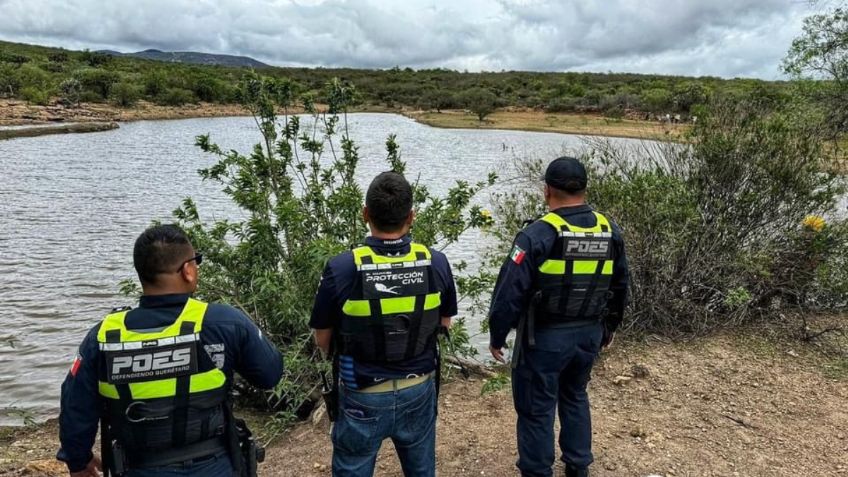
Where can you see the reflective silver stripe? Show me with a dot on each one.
(393, 266)
(586, 234)
(186, 338)
(155, 343)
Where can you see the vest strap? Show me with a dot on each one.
(181, 397)
(378, 323)
(416, 320)
(593, 285)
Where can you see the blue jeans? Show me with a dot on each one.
(555, 373)
(407, 416)
(218, 466)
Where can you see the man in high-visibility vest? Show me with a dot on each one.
(564, 289)
(378, 310)
(158, 377)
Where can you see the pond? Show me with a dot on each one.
(71, 207)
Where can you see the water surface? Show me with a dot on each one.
(72, 205)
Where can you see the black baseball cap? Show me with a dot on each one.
(566, 173)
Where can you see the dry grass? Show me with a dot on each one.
(532, 120)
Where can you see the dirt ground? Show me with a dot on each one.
(20, 113)
(565, 123)
(15, 112)
(722, 406)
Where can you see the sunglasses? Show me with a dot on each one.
(197, 258)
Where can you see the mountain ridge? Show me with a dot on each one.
(192, 57)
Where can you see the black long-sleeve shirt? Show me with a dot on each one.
(229, 337)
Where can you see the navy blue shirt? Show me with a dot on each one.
(337, 284)
(232, 341)
(532, 246)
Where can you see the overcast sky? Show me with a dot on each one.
(725, 38)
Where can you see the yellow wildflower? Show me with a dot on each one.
(486, 214)
(815, 223)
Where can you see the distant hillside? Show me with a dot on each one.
(193, 57)
(40, 74)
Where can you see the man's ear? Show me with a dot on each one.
(365, 216)
(547, 192)
(410, 219)
(189, 273)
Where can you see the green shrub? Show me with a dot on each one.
(126, 94)
(35, 95)
(176, 97)
(301, 206)
(13, 58)
(155, 82)
(9, 83)
(719, 231)
(98, 81)
(31, 76)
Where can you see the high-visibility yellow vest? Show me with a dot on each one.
(393, 311)
(160, 391)
(574, 281)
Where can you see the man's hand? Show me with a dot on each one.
(607, 340)
(446, 322)
(497, 353)
(92, 470)
(323, 338)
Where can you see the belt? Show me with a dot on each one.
(397, 384)
(567, 324)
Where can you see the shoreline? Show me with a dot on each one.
(61, 128)
(577, 124)
(21, 113)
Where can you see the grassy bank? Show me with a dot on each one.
(750, 403)
(566, 123)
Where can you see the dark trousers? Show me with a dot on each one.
(217, 466)
(554, 373)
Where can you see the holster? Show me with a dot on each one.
(330, 388)
(525, 334)
(330, 393)
(251, 454)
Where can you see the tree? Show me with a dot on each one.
(822, 48)
(821, 52)
(480, 101)
(70, 91)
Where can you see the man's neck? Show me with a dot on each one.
(567, 203)
(380, 235)
(163, 291)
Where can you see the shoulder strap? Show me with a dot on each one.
(360, 254)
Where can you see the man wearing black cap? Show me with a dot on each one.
(564, 289)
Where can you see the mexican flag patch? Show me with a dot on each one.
(517, 255)
(76, 365)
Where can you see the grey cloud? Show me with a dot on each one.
(717, 37)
